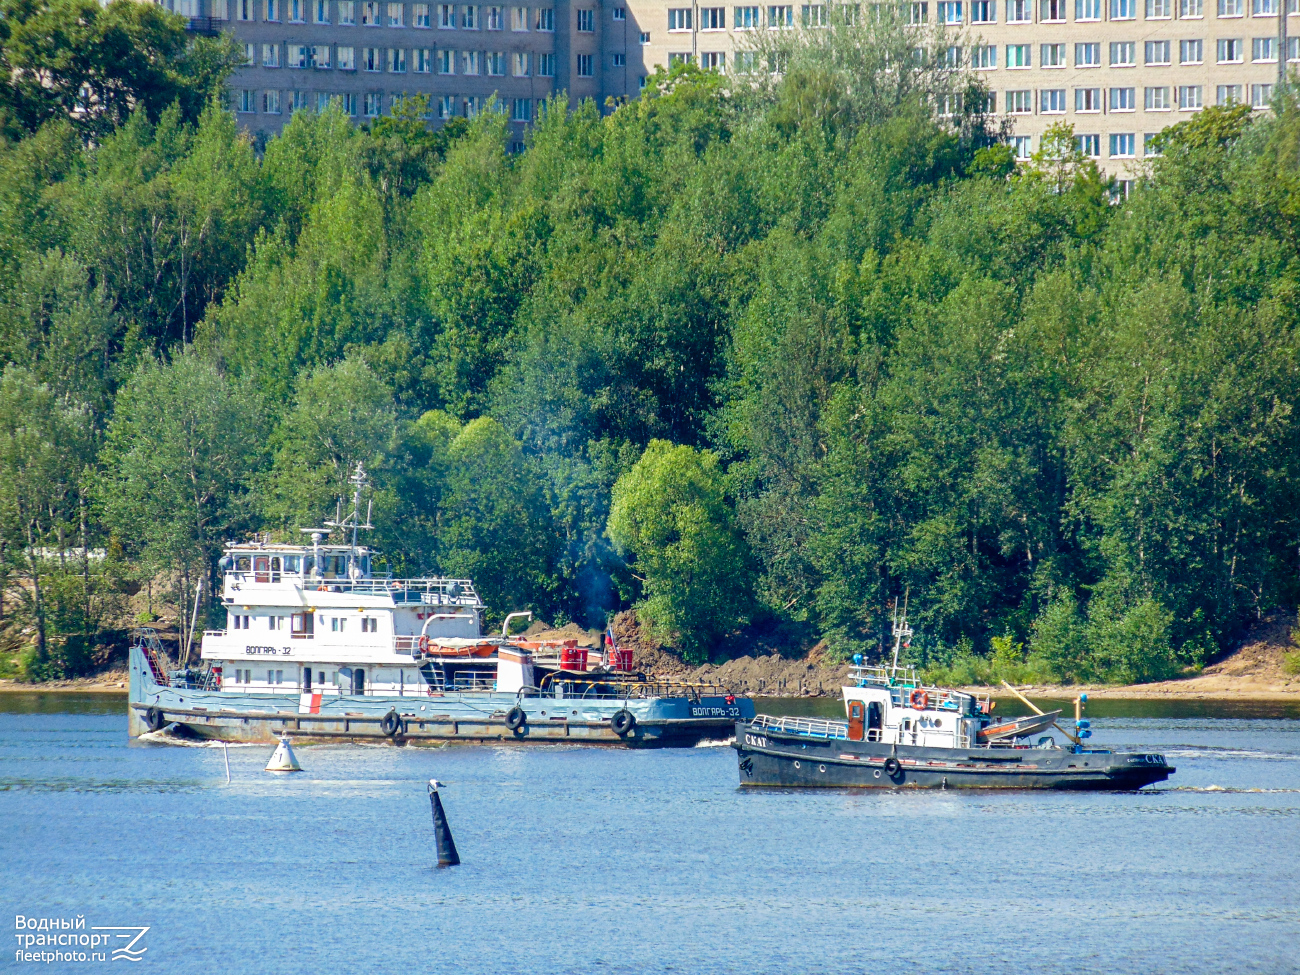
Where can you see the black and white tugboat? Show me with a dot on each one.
(318, 644)
(901, 733)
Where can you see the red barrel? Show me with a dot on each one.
(622, 659)
(569, 656)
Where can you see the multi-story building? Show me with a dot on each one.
(1118, 70)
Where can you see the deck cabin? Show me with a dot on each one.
(893, 706)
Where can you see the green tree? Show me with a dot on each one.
(670, 517)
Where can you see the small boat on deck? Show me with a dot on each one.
(901, 733)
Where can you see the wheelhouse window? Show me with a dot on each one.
(303, 626)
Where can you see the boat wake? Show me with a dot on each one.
(1210, 752)
(166, 738)
(716, 742)
(1219, 788)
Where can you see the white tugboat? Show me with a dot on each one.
(903, 733)
(319, 645)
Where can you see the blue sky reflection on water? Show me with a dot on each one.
(597, 860)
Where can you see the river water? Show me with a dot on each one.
(590, 860)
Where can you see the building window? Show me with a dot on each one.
(1230, 8)
(1191, 8)
(1123, 99)
(1087, 9)
(1157, 52)
(1053, 11)
(1020, 146)
(1229, 94)
(1089, 145)
(1087, 55)
(1261, 96)
(950, 12)
(519, 18)
(1020, 12)
(546, 18)
(348, 15)
(618, 60)
(713, 61)
(396, 15)
(952, 57)
(1191, 52)
(546, 65)
(371, 59)
(469, 21)
(446, 16)
(446, 61)
(1157, 100)
(1148, 147)
(1189, 98)
(1018, 56)
(299, 56)
(423, 61)
(495, 19)
(713, 18)
(496, 64)
(522, 110)
(983, 12)
(919, 13)
(297, 11)
(420, 16)
(320, 56)
(811, 15)
(619, 13)
(247, 104)
(322, 12)
(372, 105)
(519, 64)
(271, 102)
(348, 102)
(1122, 144)
(469, 62)
(270, 55)
(1230, 50)
(587, 21)
(470, 104)
(1052, 101)
(742, 18)
(347, 60)
(1087, 99)
(1052, 56)
(585, 67)
(684, 57)
(1264, 8)
(1159, 9)
(1020, 102)
(679, 19)
(250, 53)
(645, 37)
(273, 12)
(370, 16)
(1121, 54)
(244, 10)
(780, 16)
(1123, 9)
(984, 56)
(1293, 48)
(446, 106)
(1263, 49)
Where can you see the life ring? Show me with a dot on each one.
(623, 722)
(424, 643)
(516, 718)
(892, 767)
(919, 700)
(154, 719)
(321, 589)
(390, 724)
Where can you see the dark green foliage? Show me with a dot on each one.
(742, 356)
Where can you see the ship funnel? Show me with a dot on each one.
(283, 759)
(447, 855)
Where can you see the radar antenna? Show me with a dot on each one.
(902, 632)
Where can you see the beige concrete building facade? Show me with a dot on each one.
(1119, 71)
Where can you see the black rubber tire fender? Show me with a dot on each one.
(516, 718)
(390, 724)
(892, 767)
(623, 722)
(154, 719)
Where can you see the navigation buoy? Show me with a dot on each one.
(283, 759)
(447, 855)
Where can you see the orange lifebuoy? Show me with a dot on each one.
(321, 589)
(424, 643)
(919, 700)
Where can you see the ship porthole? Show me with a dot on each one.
(796, 764)
(877, 773)
(821, 768)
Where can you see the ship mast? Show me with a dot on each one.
(353, 521)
